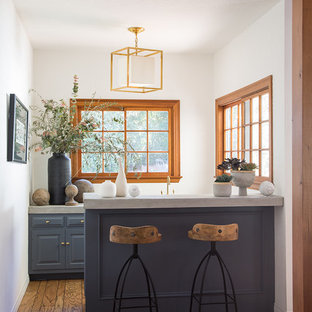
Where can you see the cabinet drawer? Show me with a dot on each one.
(75, 220)
(47, 221)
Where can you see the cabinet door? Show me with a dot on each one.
(48, 249)
(75, 248)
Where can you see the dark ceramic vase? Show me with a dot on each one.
(59, 176)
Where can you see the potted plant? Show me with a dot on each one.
(242, 172)
(222, 186)
(54, 132)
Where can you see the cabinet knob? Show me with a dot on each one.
(62, 243)
(67, 243)
(82, 221)
(47, 221)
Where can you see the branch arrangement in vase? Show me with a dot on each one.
(54, 125)
(55, 131)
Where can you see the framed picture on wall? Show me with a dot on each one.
(17, 131)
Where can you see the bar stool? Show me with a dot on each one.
(134, 235)
(213, 234)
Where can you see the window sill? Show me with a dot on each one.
(131, 179)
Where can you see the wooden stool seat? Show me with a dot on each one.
(134, 235)
(214, 233)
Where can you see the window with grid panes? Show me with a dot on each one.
(151, 129)
(245, 126)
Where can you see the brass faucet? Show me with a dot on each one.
(168, 185)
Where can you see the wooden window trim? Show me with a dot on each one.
(258, 88)
(173, 106)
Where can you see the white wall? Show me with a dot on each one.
(15, 77)
(186, 77)
(256, 53)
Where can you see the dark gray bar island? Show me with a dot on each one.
(172, 261)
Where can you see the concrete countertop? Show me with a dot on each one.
(95, 201)
(56, 209)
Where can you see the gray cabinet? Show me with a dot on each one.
(56, 244)
(75, 248)
(47, 251)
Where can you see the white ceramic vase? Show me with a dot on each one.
(243, 179)
(108, 189)
(121, 182)
(222, 189)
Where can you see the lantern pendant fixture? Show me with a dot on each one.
(135, 69)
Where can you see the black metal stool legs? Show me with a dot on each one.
(203, 281)
(231, 282)
(206, 257)
(224, 282)
(128, 262)
(149, 285)
(152, 299)
(228, 299)
(123, 284)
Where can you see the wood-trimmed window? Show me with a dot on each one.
(244, 127)
(155, 141)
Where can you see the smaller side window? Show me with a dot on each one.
(244, 127)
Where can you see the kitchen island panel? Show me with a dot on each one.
(172, 262)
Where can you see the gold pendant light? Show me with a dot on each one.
(136, 69)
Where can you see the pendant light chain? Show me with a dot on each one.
(136, 43)
(136, 40)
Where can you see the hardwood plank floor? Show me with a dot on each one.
(29, 298)
(60, 296)
(73, 296)
(54, 296)
(49, 297)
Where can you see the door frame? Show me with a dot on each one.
(302, 154)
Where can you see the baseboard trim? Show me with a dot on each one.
(56, 276)
(277, 308)
(20, 295)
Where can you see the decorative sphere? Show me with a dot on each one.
(41, 197)
(84, 186)
(266, 188)
(134, 190)
(71, 190)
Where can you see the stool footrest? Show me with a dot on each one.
(153, 303)
(196, 297)
(136, 307)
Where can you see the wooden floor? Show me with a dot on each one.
(54, 296)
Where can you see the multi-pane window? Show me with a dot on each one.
(151, 133)
(247, 132)
(244, 127)
(233, 131)
(147, 134)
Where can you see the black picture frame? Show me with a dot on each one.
(17, 131)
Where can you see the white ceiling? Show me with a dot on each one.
(171, 25)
